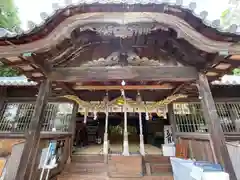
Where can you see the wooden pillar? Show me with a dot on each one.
(3, 95)
(214, 125)
(172, 121)
(32, 135)
(72, 128)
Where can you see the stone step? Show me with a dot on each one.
(87, 158)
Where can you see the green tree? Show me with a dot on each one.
(9, 20)
(231, 16)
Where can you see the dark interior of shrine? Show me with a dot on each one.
(93, 132)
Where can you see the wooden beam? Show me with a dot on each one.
(164, 73)
(33, 134)
(42, 64)
(67, 88)
(127, 87)
(214, 125)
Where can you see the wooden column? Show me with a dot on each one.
(32, 135)
(214, 125)
(73, 124)
(3, 94)
(172, 121)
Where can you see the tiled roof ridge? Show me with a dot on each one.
(16, 81)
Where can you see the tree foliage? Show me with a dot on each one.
(231, 16)
(9, 15)
(9, 20)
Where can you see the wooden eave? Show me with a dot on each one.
(79, 51)
(62, 14)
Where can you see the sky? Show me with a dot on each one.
(29, 10)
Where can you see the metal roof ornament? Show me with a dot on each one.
(68, 2)
(55, 6)
(165, 1)
(192, 6)
(18, 30)
(43, 16)
(203, 15)
(179, 2)
(31, 25)
(233, 28)
(67, 12)
(216, 23)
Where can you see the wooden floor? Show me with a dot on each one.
(98, 167)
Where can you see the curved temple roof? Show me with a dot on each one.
(85, 34)
(178, 7)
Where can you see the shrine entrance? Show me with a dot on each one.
(123, 58)
(91, 141)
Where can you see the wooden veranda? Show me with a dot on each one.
(158, 50)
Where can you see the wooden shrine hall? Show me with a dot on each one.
(101, 51)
